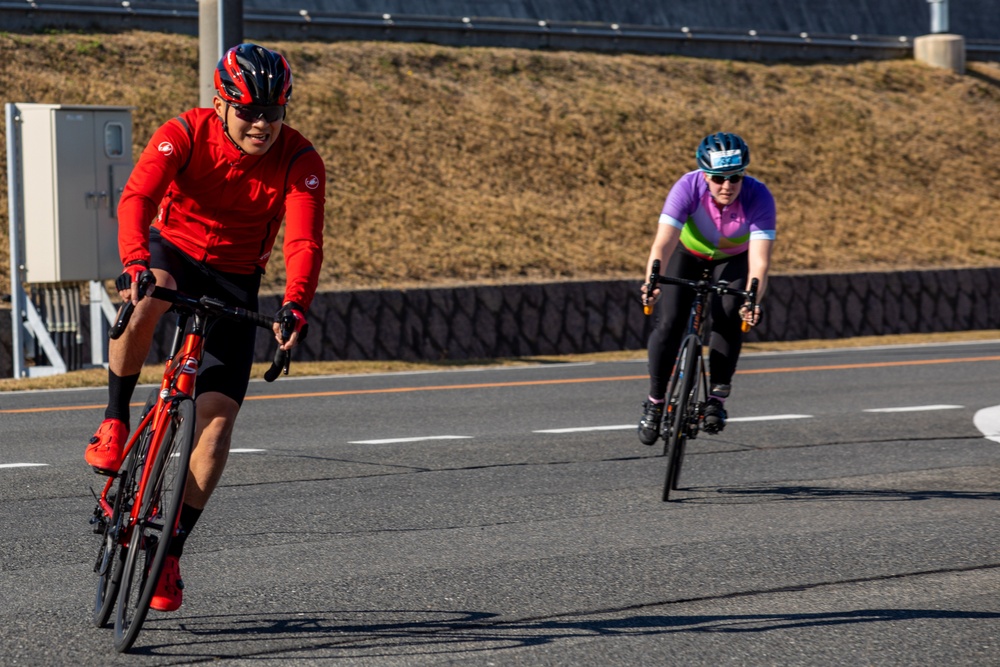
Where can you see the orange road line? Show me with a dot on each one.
(485, 385)
(883, 364)
(536, 383)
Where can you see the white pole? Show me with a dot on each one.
(17, 296)
(939, 16)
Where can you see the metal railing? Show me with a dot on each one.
(97, 15)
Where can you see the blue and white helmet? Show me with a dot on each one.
(722, 153)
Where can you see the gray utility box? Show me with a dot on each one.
(75, 162)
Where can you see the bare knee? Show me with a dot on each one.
(216, 419)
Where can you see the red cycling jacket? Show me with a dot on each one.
(223, 207)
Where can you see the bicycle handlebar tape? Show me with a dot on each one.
(651, 286)
(124, 315)
(279, 365)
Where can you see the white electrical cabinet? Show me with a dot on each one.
(75, 162)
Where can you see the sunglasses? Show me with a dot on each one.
(251, 113)
(732, 178)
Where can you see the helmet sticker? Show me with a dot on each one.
(731, 159)
(166, 148)
(312, 182)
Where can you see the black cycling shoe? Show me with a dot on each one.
(649, 425)
(714, 416)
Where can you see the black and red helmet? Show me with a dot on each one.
(251, 74)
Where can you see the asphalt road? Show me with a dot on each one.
(847, 515)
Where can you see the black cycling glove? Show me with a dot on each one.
(291, 318)
(136, 272)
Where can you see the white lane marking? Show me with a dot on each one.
(987, 421)
(231, 451)
(767, 418)
(583, 429)
(22, 465)
(625, 427)
(917, 408)
(392, 441)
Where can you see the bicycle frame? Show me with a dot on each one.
(178, 381)
(687, 389)
(143, 516)
(684, 415)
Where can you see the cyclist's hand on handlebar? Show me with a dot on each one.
(290, 325)
(750, 316)
(136, 273)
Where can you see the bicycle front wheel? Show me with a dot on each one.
(156, 524)
(111, 557)
(680, 402)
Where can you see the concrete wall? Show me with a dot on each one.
(484, 322)
(584, 317)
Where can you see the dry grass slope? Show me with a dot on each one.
(451, 165)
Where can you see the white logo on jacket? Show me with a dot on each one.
(312, 182)
(166, 148)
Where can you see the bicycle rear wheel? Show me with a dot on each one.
(159, 511)
(111, 556)
(681, 396)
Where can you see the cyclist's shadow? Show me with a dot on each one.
(804, 493)
(387, 633)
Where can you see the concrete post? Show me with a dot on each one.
(946, 51)
(220, 26)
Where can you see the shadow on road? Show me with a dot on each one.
(339, 634)
(733, 494)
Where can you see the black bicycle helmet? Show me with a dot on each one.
(251, 74)
(722, 153)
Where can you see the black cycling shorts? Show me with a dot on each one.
(229, 345)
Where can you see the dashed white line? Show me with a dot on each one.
(767, 418)
(392, 441)
(987, 421)
(22, 465)
(917, 408)
(625, 427)
(584, 429)
(231, 451)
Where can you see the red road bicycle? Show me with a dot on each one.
(687, 390)
(138, 510)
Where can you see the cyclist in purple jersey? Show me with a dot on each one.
(714, 218)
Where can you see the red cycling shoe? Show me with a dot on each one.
(169, 592)
(104, 453)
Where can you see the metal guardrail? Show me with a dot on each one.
(295, 24)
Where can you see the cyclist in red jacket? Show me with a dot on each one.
(201, 211)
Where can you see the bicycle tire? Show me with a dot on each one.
(109, 561)
(691, 416)
(683, 383)
(158, 515)
(111, 558)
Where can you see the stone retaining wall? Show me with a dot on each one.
(483, 322)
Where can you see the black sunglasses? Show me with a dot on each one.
(732, 178)
(252, 112)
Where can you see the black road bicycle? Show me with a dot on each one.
(687, 390)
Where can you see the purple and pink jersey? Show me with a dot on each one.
(713, 234)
